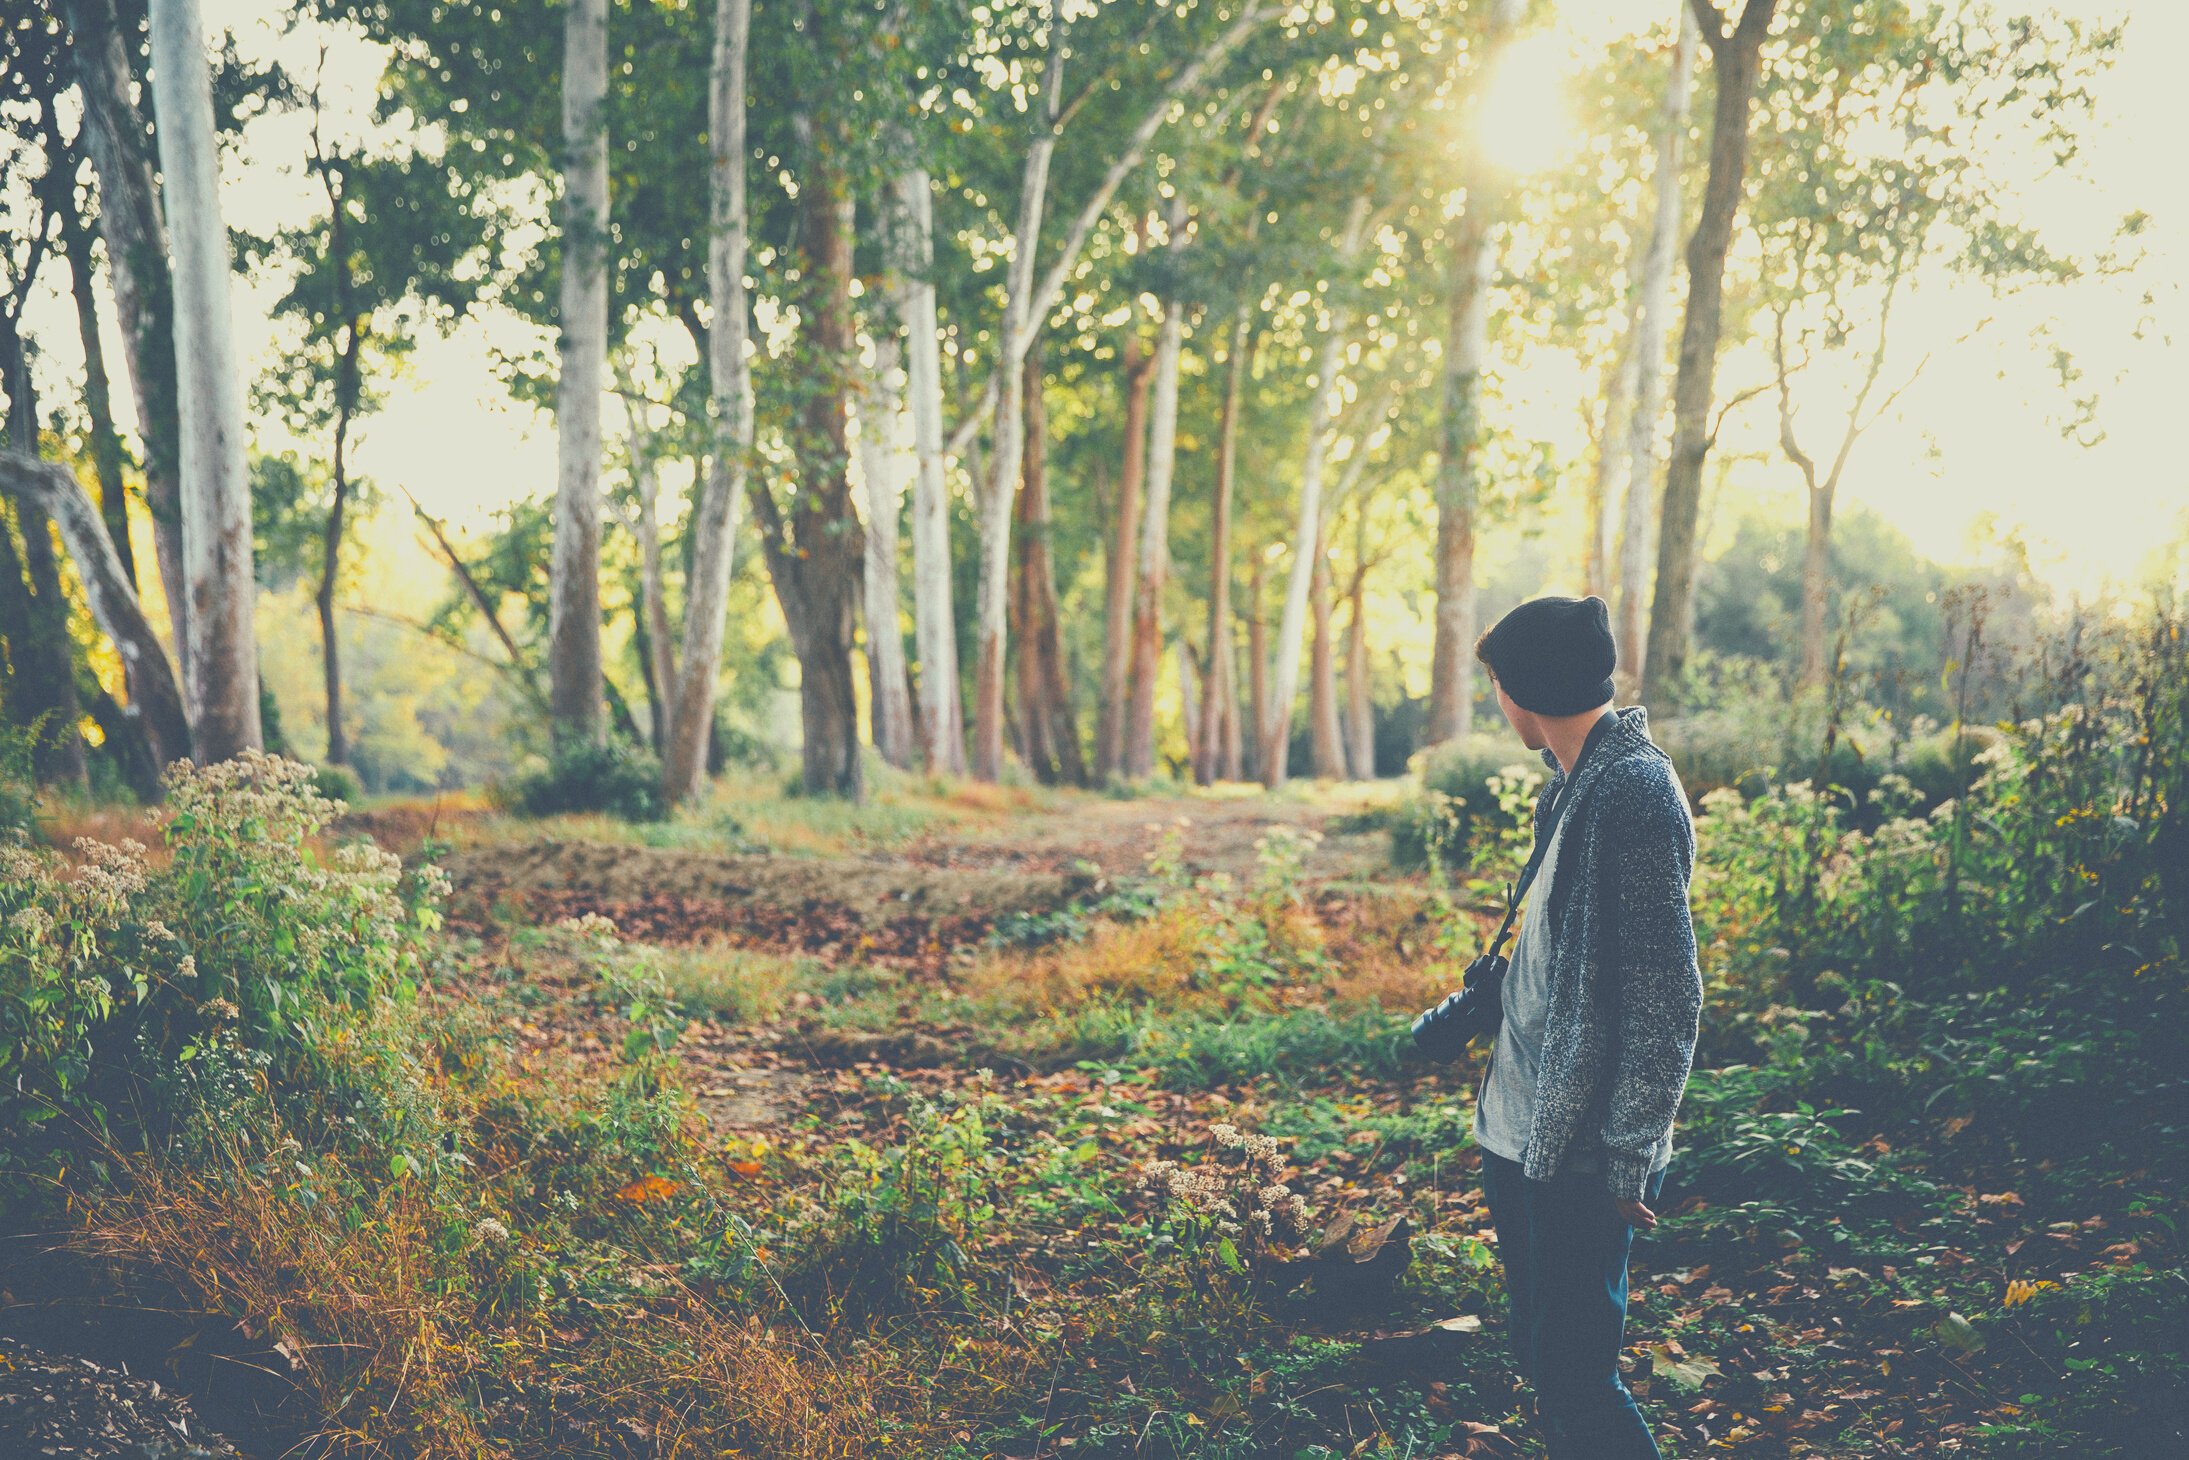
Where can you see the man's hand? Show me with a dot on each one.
(1635, 1213)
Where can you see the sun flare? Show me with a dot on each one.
(1525, 119)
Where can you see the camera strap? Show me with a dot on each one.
(1517, 890)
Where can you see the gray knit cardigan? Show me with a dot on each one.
(1626, 991)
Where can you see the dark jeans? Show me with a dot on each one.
(1564, 1246)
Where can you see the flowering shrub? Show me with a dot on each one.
(1228, 1216)
(120, 965)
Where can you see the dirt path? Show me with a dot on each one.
(1220, 830)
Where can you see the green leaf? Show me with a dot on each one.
(1957, 1332)
(1684, 1371)
(1230, 1255)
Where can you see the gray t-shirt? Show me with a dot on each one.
(1505, 1110)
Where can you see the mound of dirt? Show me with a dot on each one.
(870, 906)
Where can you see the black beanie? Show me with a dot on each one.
(1553, 655)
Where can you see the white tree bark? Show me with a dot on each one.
(222, 693)
(1285, 682)
(714, 527)
(118, 141)
(1153, 575)
(888, 461)
(155, 698)
(992, 608)
(934, 620)
(573, 633)
(1025, 307)
(1652, 311)
(1473, 265)
(645, 525)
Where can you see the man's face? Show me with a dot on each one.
(1524, 722)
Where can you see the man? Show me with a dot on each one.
(1601, 1003)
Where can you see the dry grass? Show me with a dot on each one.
(354, 1298)
(63, 822)
(734, 985)
(1149, 961)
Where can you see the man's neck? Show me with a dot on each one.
(1569, 734)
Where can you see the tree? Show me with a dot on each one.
(888, 460)
(1220, 750)
(1137, 366)
(155, 695)
(1850, 223)
(1472, 265)
(815, 550)
(1029, 296)
(1153, 574)
(396, 237)
(573, 653)
(1652, 304)
(118, 141)
(1048, 732)
(1736, 62)
(221, 678)
(730, 411)
(77, 222)
(934, 621)
(1274, 731)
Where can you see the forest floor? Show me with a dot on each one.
(864, 944)
(840, 969)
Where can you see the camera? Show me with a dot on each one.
(1444, 1031)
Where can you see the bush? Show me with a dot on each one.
(614, 778)
(118, 969)
(338, 783)
(18, 781)
(1459, 795)
(1943, 763)
(902, 1223)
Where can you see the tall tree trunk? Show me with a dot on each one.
(657, 649)
(1123, 564)
(118, 140)
(1326, 736)
(338, 745)
(1275, 727)
(730, 414)
(1032, 720)
(817, 557)
(999, 490)
(887, 463)
(1155, 557)
(1472, 266)
(1652, 306)
(1360, 710)
(346, 389)
(573, 633)
(1026, 305)
(155, 696)
(1063, 732)
(1253, 761)
(1609, 426)
(1822, 489)
(106, 441)
(1816, 585)
(1192, 701)
(39, 649)
(1735, 56)
(1208, 761)
(1048, 728)
(934, 621)
(222, 687)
